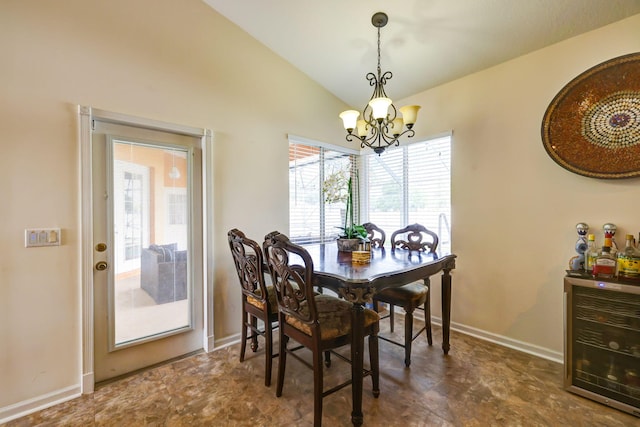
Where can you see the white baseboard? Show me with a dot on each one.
(226, 341)
(532, 349)
(209, 344)
(522, 346)
(27, 407)
(88, 383)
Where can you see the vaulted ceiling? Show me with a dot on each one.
(425, 43)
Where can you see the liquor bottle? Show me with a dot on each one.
(605, 264)
(629, 260)
(591, 253)
(583, 366)
(631, 377)
(612, 375)
(577, 263)
(609, 230)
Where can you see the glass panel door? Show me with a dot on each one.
(147, 243)
(150, 292)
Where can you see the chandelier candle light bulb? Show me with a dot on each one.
(349, 119)
(409, 114)
(380, 125)
(380, 107)
(396, 126)
(363, 128)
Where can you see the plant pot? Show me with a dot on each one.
(348, 245)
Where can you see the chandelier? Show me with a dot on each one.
(380, 125)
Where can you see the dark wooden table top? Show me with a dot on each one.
(386, 268)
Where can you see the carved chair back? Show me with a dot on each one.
(258, 299)
(249, 262)
(293, 282)
(375, 234)
(415, 237)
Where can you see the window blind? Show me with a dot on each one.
(311, 218)
(412, 184)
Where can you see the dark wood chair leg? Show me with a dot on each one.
(282, 358)
(268, 352)
(427, 320)
(254, 335)
(427, 313)
(391, 311)
(373, 363)
(317, 388)
(327, 359)
(243, 345)
(408, 334)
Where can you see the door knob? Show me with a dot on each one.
(101, 265)
(101, 247)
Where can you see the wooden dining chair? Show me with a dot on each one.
(418, 238)
(319, 322)
(258, 299)
(375, 234)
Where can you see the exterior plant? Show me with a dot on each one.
(338, 188)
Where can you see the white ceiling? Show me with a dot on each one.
(426, 42)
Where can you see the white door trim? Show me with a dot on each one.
(86, 115)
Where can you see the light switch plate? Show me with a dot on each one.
(34, 237)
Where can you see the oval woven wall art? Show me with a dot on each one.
(592, 126)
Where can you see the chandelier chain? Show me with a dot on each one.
(379, 69)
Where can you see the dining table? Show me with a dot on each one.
(359, 282)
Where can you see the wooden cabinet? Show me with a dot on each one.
(602, 341)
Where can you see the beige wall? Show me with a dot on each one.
(178, 62)
(514, 209)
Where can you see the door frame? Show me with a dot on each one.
(86, 116)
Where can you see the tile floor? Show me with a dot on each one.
(477, 384)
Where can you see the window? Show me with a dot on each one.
(411, 184)
(311, 219)
(177, 208)
(133, 194)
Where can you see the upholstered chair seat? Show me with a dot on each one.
(272, 302)
(334, 317)
(413, 294)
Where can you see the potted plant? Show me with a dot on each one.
(338, 188)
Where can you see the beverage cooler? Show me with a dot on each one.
(602, 341)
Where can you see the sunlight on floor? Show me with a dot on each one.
(138, 315)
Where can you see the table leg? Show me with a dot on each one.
(357, 350)
(446, 310)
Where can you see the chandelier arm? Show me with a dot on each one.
(373, 79)
(351, 137)
(383, 79)
(379, 141)
(378, 82)
(367, 116)
(409, 132)
(376, 138)
(374, 134)
(392, 116)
